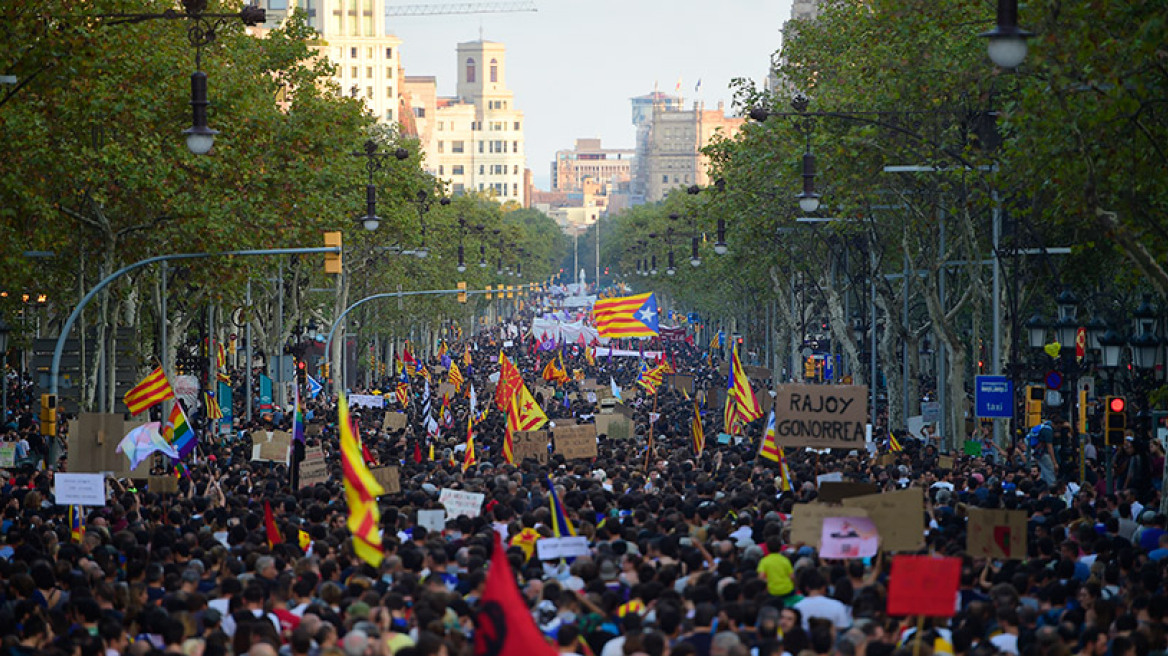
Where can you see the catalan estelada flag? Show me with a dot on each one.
(699, 435)
(153, 389)
(561, 525)
(76, 524)
(627, 316)
(178, 432)
(455, 378)
(214, 412)
(361, 492)
(741, 404)
(770, 448)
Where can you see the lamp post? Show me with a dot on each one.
(374, 161)
(5, 331)
(1007, 41)
(424, 202)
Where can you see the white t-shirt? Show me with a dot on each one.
(1005, 643)
(824, 608)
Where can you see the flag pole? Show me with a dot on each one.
(649, 452)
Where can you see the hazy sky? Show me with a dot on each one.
(574, 64)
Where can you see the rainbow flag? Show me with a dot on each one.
(297, 416)
(561, 525)
(178, 432)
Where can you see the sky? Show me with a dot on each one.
(574, 64)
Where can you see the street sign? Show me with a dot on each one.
(994, 397)
(1054, 380)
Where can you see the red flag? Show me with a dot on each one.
(274, 536)
(418, 451)
(503, 624)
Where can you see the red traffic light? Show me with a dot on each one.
(300, 365)
(1116, 404)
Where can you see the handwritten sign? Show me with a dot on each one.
(807, 520)
(576, 441)
(432, 520)
(458, 502)
(79, 489)
(680, 382)
(313, 469)
(162, 484)
(923, 585)
(899, 517)
(566, 547)
(848, 537)
(389, 479)
(615, 427)
(531, 444)
(270, 446)
(444, 389)
(8, 455)
(821, 416)
(997, 534)
(394, 421)
(366, 400)
(944, 462)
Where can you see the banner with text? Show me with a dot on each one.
(821, 416)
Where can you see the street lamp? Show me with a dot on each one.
(1111, 345)
(424, 201)
(1068, 326)
(1145, 342)
(1036, 331)
(374, 160)
(1007, 46)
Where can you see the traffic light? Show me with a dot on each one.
(809, 368)
(332, 261)
(1034, 396)
(462, 292)
(49, 415)
(1115, 414)
(326, 370)
(301, 373)
(489, 292)
(510, 291)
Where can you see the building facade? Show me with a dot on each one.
(474, 140)
(672, 150)
(589, 161)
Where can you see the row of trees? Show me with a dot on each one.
(1067, 151)
(96, 171)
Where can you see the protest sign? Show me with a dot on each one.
(432, 520)
(313, 428)
(944, 462)
(899, 517)
(531, 444)
(458, 502)
(270, 446)
(886, 459)
(446, 388)
(366, 400)
(923, 585)
(807, 520)
(834, 492)
(93, 443)
(624, 410)
(79, 489)
(821, 416)
(614, 427)
(576, 441)
(680, 382)
(848, 537)
(313, 469)
(829, 477)
(996, 534)
(388, 477)
(8, 455)
(565, 547)
(752, 372)
(394, 421)
(161, 484)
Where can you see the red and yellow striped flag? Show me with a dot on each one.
(153, 389)
(361, 492)
(469, 460)
(456, 378)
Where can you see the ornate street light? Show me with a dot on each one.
(1036, 331)
(1111, 345)
(1146, 342)
(1067, 327)
(1007, 46)
(1096, 327)
(374, 160)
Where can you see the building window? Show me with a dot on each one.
(456, 169)
(278, 5)
(388, 92)
(419, 112)
(665, 179)
(389, 115)
(494, 70)
(459, 189)
(389, 53)
(389, 72)
(514, 146)
(456, 146)
(480, 147)
(470, 70)
(516, 169)
(440, 125)
(369, 53)
(482, 170)
(516, 126)
(369, 92)
(441, 170)
(441, 146)
(353, 52)
(369, 72)
(353, 72)
(515, 189)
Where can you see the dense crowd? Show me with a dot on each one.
(690, 554)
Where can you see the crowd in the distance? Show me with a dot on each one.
(689, 554)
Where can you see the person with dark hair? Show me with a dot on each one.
(816, 604)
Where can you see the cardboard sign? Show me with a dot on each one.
(458, 502)
(79, 489)
(751, 371)
(8, 455)
(837, 491)
(313, 469)
(944, 462)
(996, 534)
(899, 516)
(388, 477)
(394, 421)
(886, 459)
(680, 382)
(807, 520)
(829, 477)
(93, 442)
(366, 400)
(162, 484)
(848, 537)
(821, 416)
(432, 520)
(624, 410)
(614, 427)
(576, 441)
(923, 585)
(531, 444)
(270, 446)
(446, 388)
(566, 547)
(313, 429)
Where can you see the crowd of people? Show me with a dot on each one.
(689, 553)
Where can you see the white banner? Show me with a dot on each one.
(432, 520)
(79, 489)
(186, 388)
(569, 547)
(366, 400)
(604, 352)
(458, 502)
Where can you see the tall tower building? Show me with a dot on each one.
(473, 140)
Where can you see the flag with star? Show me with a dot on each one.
(627, 316)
